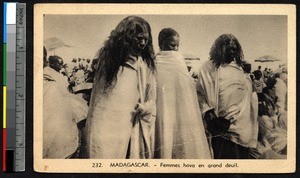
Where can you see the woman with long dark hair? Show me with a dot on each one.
(120, 117)
(227, 101)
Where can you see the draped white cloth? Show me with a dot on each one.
(111, 122)
(179, 129)
(62, 112)
(281, 93)
(228, 91)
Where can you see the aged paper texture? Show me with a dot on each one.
(266, 33)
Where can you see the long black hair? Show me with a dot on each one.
(217, 54)
(116, 49)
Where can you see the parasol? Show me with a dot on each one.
(266, 58)
(51, 44)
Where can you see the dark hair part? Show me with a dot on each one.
(277, 75)
(271, 82)
(246, 67)
(54, 59)
(217, 54)
(165, 35)
(257, 74)
(116, 49)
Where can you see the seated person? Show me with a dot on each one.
(272, 139)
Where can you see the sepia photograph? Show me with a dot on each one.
(164, 88)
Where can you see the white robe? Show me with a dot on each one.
(228, 91)
(281, 93)
(110, 122)
(61, 113)
(179, 129)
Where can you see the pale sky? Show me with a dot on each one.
(258, 35)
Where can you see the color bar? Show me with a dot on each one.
(4, 90)
(4, 23)
(20, 91)
(4, 150)
(9, 69)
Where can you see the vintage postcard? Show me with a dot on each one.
(164, 88)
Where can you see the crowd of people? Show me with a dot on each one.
(271, 89)
(129, 103)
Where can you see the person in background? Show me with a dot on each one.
(272, 138)
(282, 70)
(53, 71)
(259, 68)
(78, 76)
(281, 93)
(88, 66)
(91, 74)
(73, 64)
(64, 71)
(88, 60)
(265, 75)
(83, 64)
(226, 99)
(258, 84)
(247, 67)
(61, 111)
(270, 73)
(122, 103)
(45, 61)
(179, 128)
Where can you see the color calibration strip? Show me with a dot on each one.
(14, 87)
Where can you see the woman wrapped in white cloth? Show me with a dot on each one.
(62, 112)
(122, 103)
(228, 104)
(179, 129)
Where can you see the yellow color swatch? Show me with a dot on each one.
(4, 107)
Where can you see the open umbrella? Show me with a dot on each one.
(266, 58)
(51, 44)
